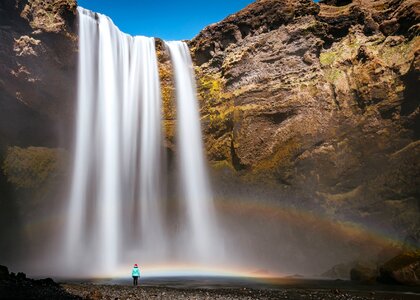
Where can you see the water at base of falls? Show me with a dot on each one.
(116, 212)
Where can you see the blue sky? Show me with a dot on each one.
(167, 19)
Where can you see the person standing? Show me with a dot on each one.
(136, 274)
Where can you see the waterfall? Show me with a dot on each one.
(116, 210)
(194, 181)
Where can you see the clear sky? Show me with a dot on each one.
(167, 19)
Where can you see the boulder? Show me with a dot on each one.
(402, 269)
(363, 274)
(4, 273)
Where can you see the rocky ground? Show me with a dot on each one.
(18, 286)
(96, 292)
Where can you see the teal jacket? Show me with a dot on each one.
(135, 272)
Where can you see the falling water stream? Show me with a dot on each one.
(195, 184)
(116, 205)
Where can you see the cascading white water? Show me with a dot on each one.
(195, 184)
(151, 151)
(116, 212)
(84, 144)
(116, 174)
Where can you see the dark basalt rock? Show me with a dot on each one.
(363, 274)
(18, 286)
(4, 273)
(402, 269)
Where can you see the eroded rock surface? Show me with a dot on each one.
(320, 99)
(38, 61)
(37, 69)
(402, 269)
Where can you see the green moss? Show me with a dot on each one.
(221, 165)
(210, 88)
(31, 167)
(282, 156)
(333, 74)
(327, 58)
(401, 53)
(167, 90)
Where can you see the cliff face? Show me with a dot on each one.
(38, 62)
(37, 70)
(319, 100)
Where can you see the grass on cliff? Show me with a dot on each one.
(30, 168)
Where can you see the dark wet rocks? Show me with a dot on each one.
(364, 274)
(402, 269)
(18, 286)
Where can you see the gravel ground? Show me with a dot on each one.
(96, 292)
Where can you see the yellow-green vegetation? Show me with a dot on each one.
(344, 50)
(220, 115)
(334, 74)
(167, 91)
(210, 88)
(399, 54)
(327, 58)
(221, 164)
(217, 105)
(30, 168)
(382, 57)
(282, 156)
(389, 55)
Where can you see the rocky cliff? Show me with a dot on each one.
(317, 101)
(38, 60)
(321, 100)
(37, 70)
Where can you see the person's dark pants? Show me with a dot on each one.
(135, 280)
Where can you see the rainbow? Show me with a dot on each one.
(303, 219)
(180, 269)
(350, 232)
